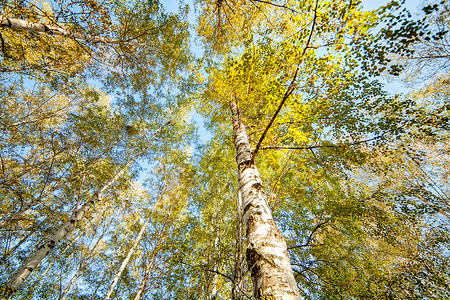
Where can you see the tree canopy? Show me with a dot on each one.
(224, 150)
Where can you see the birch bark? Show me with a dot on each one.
(22, 274)
(267, 256)
(84, 260)
(151, 264)
(238, 282)
(51, 30)
(213, 294)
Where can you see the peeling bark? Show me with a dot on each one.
(267, 256)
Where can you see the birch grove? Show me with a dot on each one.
(324, 182)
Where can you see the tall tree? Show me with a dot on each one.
(267, 255)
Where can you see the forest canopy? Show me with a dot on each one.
(224, 149)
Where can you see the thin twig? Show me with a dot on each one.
(284, 171)
(216, 272)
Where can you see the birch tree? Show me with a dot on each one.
(22, 274)
(292, 94)
(267, 256)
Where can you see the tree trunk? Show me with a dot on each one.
(238, 276)
(50, 30)
(213, 294)
(267, 256)
(151, 264)
(49, 267)
(108, 267)
(148, 272)
(84, 260)
(125, 261)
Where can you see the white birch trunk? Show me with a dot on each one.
(148, 272)
(85, 259)
(50, 30)
(213, 294)
(151, 264)
(108, 267)
(238, 280)
(267, 256)
(49, 267)
(126, 260)
(22, 274)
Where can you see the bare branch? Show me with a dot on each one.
(216, 272)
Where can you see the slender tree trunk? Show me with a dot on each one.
(148, 272)
(213, 294)
(267, 256)
(151, 264)
(69, 286)
(238, 276)
(107, 269)
(50, 30)
(30, 291)
(85, 259)
(125, 261)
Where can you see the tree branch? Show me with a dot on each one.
(51, 30)
(290, 89)
(277, 5)
(310, 236)
(216, 272)
(3, 44)
(284, 171)
(318, 146)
